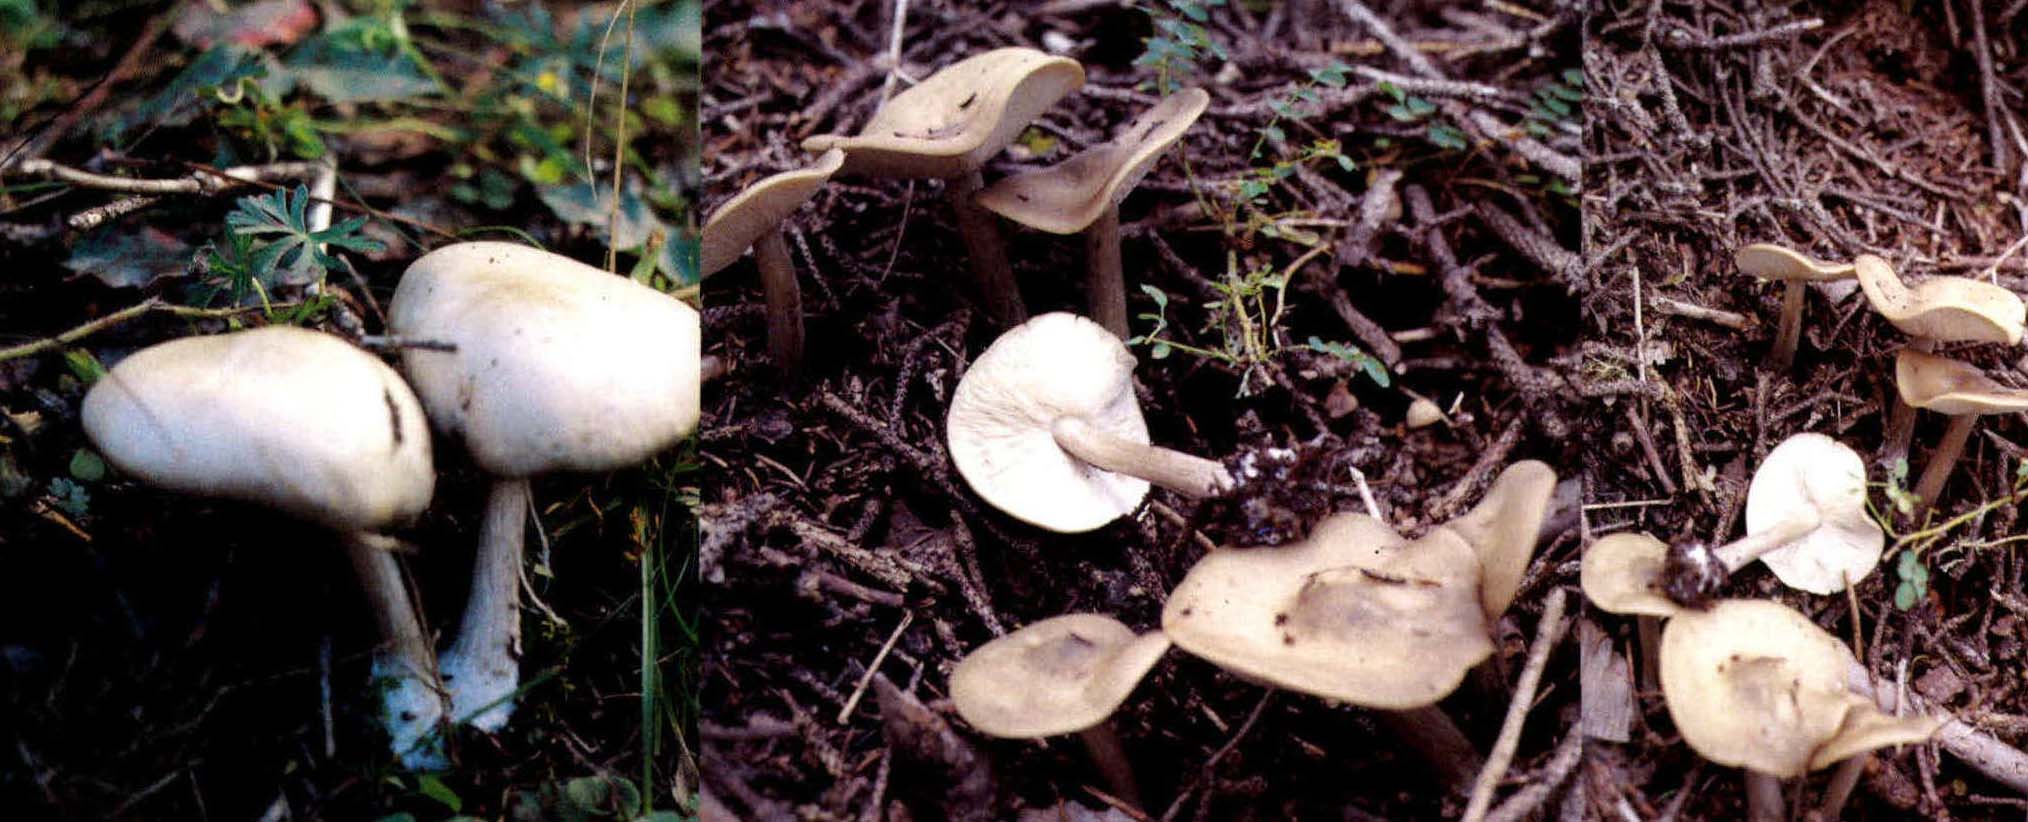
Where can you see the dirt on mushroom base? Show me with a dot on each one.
(840, 512)
(1887, 84)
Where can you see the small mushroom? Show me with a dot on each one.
(1623, 574)
(1066, 674)
(306, 423)
(1045, 427)
(1938, 310)
(1805, 519)
(753, 219)
(946, 128)
(1755, 685)
(558, 366)
(1794, 270)
(1958, 390)
(1084, 192)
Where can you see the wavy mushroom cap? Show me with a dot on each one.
(1621, 574)
(1753, 684)
(1948, 386)
(1057, 676)
(1503, 529)
(559, 365)
(1812, 472)
(1055, 365)
(1354, 613)
(1067, 197)
(1945, 309)
(295, 419)
(1772, 262)
(954, 120)
(733, 228)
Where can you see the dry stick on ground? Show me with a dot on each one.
(1523, 803)
(148, 191)
(33, 146)
(1547, 634)
(1204, 774)
(148, 306)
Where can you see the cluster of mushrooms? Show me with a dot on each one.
(1755, 684)
(946, 128)
(537, 362)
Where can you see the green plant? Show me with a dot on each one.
(1179, 41)
(269, 242)
(1914, 580)
(1408, 108)
(1246, 319)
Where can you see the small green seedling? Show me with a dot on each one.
(1914, 581)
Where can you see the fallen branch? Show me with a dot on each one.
(1548, 633)
(152, 305)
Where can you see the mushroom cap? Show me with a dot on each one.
(282, 416)
(1067, 197)
(1622, 574)
(954, 120)
(1945, 309)
(1948, 386)
(559, 366)
(1814, 472)
(1058, 676)
(1504, 527)
(733, 228)
(1754, 684)
(1772, 262)
(1055, 365)
(1354, 613)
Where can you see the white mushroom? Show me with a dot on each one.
(1805, 519)
(558, 367)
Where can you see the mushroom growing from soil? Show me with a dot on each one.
(1937, 310)
(1045, 427)
(753, 219)
(1958, 390)
(1359, 614)
(1795, 271)
(1083, 194)
(306, 423)
(558, 366)
(1066, 674)
(1806, 520)
(946, 127)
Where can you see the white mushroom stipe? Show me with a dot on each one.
(482, 668)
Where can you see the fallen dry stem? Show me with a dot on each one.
(1548, 633)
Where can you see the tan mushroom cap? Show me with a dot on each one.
(281, 416)
(1812, 472)
(954, 120)
(1504, 527)
(1067, 197)
(1055, 365)
(734, 227)
(1945, 309)
(1754, 684)
(1354, 613)
(1622, 573)
(1057, 676)
(1772, 262)
(1948, 386)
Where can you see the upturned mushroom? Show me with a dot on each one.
(946, 128)
(558, 366)
(1755, 685)
(306, 423)
(1937, 310)
(1083, 194)
(1805, 519)
(753, 219)
(1795, 271)
(1359, 614)
(1066, 674)
(1045, 427)
(1959, 391)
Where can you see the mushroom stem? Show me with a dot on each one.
(1650, 628)
(482, 669)
(1943, 460)
(784, 300)
(1901, 417)
(1434, 737)
(1843, 780)
(1103, 743)
(1108, 286)
(1763, 797)
(987, 250)
(1736, 554)
(1790, 332)
(412, 704)
(1174, 470)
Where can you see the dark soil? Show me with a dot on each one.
(1877, 132)
(838, 524)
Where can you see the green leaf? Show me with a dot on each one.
(1160, 297)
(1274, 133)
(429, 785)
(1574, 77)
(1904, 596)
(1445, 136)
(351, 64)
(1160, 350)
(83, 365)
(86, 466)
(591, 205)
(70, 496)
(293, 254)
